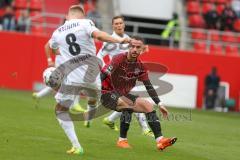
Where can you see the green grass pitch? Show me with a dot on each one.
(29, 133)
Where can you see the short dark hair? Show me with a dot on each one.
(138, 38)
(116, 17)
(77, 8)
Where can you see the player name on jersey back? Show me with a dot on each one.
(67, 27)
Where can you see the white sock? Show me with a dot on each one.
(121, 139)
(142, 121)
(69, 130)
(45, 91)
(91, 112)
(112, 117)
(159, 138)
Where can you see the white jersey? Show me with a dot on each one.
(74, 38)
(112, 49)
(58, 60)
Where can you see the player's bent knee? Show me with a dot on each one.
(149, 108)
(122, 103)
(145, 105)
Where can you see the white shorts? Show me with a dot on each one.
(66, 95)
(78, 79)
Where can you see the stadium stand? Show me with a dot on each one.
(45, 17)
(217, 42)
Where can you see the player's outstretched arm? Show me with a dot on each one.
(153, 94)
(102, 53)
(105, 37)
(48, 54)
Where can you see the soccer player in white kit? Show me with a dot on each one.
(47, 90)
(113, 49)
(75, 39)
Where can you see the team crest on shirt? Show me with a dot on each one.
(137, 71)
(110, 68)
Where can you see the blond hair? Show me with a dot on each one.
(76, 8)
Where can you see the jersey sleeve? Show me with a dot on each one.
(112, 66)
(53, 41)
(114, 63)
(90, 27)
(151, 91)
(143, 73)
(108, 69)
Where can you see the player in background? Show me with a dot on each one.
(118, 79)
(111, 50)
(75, 38)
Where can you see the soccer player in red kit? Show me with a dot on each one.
(118, 78)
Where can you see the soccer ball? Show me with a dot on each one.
(52, 79)
(46, 75)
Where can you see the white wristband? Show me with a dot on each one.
(49, 59)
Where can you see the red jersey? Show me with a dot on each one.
(121, 75)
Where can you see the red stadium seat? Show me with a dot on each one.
(199, 35)
(214, 35)
(36, 5)
(21, 4)
(88, 7)
(216, 49)
(49, 31)
(36, 16)
(237, 25)
(17, 13)
(238, 38)
(196, 21)
(232, 50)
(200, 46)
(222, 1)
(229, 37)
(206, 7)
(220, 8)
(37, 30)
(193, 7)
(208, 1)
(2, 12)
